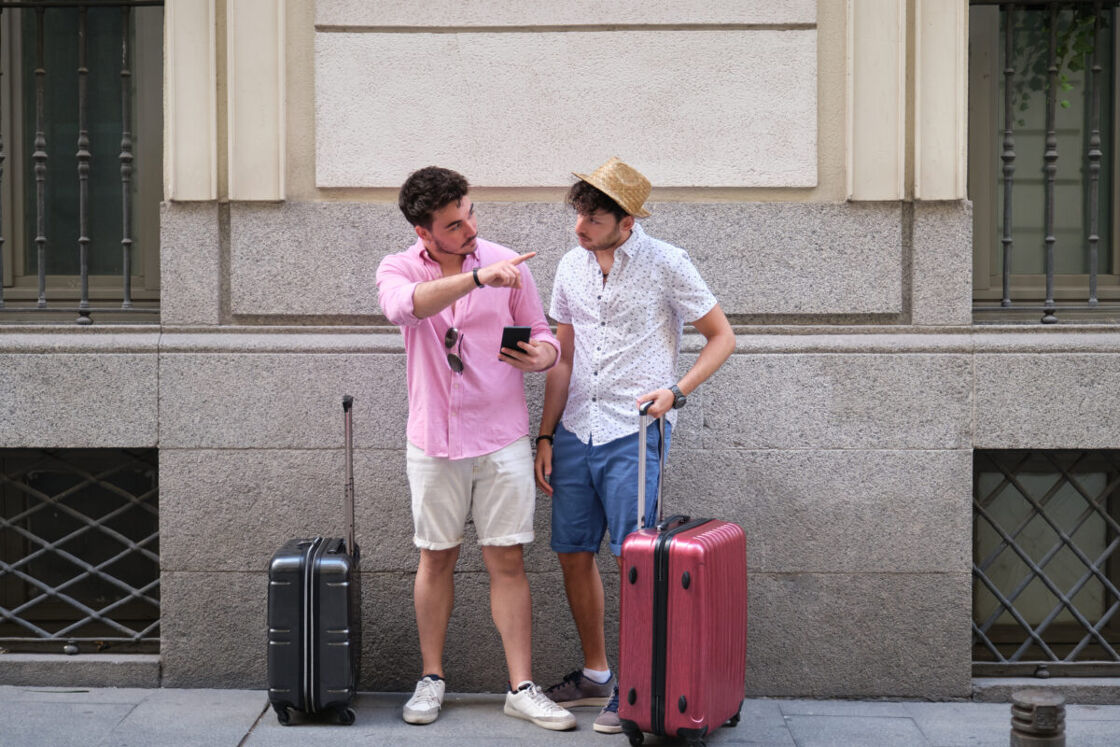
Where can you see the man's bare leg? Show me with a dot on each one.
(584, 588)
(434, 596)
(511, 608)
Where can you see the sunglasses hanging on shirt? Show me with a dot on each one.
(452, 337)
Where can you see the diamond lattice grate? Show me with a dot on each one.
(1046, 557)
(79, 548)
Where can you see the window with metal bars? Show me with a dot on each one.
(1046, 566)
(79, 550)
(1042, 165)
(80, 159)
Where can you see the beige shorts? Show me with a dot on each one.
(497, 488)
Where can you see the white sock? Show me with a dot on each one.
(597, 676)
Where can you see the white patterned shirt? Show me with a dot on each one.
(627, 330)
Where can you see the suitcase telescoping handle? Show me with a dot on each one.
(643, 423)
(347, 406)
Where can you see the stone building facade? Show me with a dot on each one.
(810, 155)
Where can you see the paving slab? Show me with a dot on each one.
(59, 724)
(879, 731)
(55, 695)
(188, 717)
(1092, 733)
(478, 720)
(61, 716)
(1092, 713)
(858, 708)
(960, 724)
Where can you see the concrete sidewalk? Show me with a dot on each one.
(58, 716)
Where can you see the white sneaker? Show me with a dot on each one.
(423, 707)
(531, 704)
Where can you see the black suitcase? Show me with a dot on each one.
(314, 617)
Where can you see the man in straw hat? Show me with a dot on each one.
(468, 427)
(620, 301)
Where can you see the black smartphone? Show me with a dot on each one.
(512, 335)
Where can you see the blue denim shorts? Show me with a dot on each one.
(595, 489)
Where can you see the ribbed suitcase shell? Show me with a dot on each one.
(683, 628)
(314, 627)
(314, 615)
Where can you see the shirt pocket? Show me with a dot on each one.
(635, 309)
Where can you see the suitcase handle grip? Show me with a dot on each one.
(673, 521)
(347, 402)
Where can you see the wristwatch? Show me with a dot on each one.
(679, 399)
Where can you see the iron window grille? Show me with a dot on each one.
(79, 550)
(80, 159)
(1042, 165)
(1046, 570)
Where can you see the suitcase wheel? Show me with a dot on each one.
(346, 716)
(283, 715)
(734, 720)
(633, 733)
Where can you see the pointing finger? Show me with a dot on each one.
(522, 258)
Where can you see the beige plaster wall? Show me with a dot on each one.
(302, 16)
(885, 78)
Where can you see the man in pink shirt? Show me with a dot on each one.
(451, 293)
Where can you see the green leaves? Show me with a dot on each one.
(1074, 39)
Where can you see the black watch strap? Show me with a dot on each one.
(545, 437)
(678, 397)
(474, 273)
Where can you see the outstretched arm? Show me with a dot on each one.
(434, 296)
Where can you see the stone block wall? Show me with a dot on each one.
(839, 434)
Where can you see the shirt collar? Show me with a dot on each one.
(634, 243)
(628, 248)
(631, 246)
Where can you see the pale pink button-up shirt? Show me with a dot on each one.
(482, 409)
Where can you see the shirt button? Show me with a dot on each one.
(596, 373)
(593, 399)
(599, 297)
(602, 324)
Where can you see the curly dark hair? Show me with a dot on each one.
(427, 190)
(586, 199)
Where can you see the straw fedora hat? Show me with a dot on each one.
(621, 183)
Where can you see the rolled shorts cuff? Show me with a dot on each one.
(559, 547)
(508, 540)
(425, 545)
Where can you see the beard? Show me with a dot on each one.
(610, 242)
(444, 247)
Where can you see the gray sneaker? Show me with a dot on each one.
(577, 690)
(607, 721)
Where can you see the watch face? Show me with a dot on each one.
(678, 398)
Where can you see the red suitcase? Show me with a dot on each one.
(683, 623)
